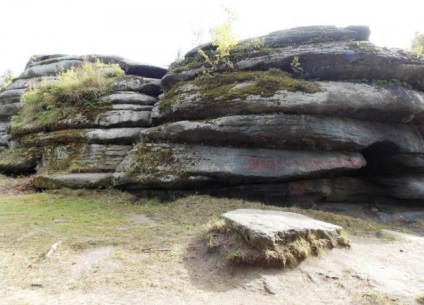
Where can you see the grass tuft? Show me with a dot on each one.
(222, 238)
(76, 90)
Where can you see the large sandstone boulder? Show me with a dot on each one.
(289, 132)
(267, 230)
(183, 166)
(384, 103)
(92, 140)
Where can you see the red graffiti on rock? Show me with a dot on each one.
(278, 166)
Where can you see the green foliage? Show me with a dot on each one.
(76, 91)
(417, 44)
(224, 41)
(5, 80)
(296, 66)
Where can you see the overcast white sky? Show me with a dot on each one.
(153, 31)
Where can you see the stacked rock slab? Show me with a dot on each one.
(346, 125)
(93, 145)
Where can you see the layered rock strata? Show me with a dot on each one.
(305, 115)
(80, 143)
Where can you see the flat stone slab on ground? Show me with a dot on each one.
(267, 229)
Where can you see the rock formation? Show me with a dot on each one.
(80, 143)
(313, 114)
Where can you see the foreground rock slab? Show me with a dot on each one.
(269, 229)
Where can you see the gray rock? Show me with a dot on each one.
(363, 32)
(76, 181)
(341, 60)
(309, 35)
(299, 35)
(83, 158)
(50, 69)
(290, 132)
(6, 111)
(132, 107)
(336, 99)
(117, 136)
(25, 83)
(407, 187)
(170, 165)
(129, 97)
(148, 86)
(54, 64)
(108, 119)
(18, 161)
(269, 229)
(11, 96)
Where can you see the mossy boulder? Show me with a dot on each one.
(19, 161)
(364, 101)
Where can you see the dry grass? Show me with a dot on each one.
(222, 238)
(85, 220)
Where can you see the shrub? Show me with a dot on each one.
(76, 91)
(5, 80)
(224, 40)
(417, 44)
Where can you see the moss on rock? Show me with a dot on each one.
(157, 163)
(17, 161)
(239, 85)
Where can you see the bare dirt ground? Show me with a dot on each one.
(388, 270)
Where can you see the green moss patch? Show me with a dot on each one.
(239, 85)
(19, 160)
(153, 164)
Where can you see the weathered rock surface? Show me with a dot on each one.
(408, 187)
(93, 141)
(299, 35)
(290, 132)
(25, 83)
(83, 158)
(18, 161)
(129, 97)
(120, 136)
(167, 165)
(150, 86)
(252, 133)
(88, 180)
(11, 96)
(384, 103)
(107, 119)
(268, 229)
(48, 65)
(327, 61)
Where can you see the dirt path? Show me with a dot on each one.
(387, 270)
(371, 272)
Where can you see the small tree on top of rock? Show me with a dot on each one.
(224, 40)
(5, 80)
(417, 44)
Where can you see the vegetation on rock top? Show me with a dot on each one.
(5, 80)
(76, 91)
(239, 85)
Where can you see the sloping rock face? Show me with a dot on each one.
(94, 144)
(313, 114)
